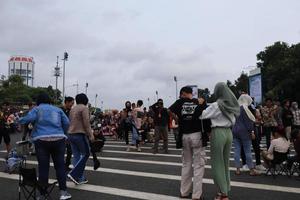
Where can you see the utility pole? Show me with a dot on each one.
(56, 74)
(96, 100)
(77, 85)
(86, 87)
(66, 56)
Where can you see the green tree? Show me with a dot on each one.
(14, 90)
(280, 65)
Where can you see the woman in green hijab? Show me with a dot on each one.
(222, 114)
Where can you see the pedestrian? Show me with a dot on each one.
(188, 111)
(124, 124)
(79, 133)
(296, 115)
(5, 127)
(161, 122)
(279, 144)
(287, 118)
(269, 113)
(48, 135)
(243, 134)
(223, 115)
(138, 115)
(68, 104)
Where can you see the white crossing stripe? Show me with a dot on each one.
(174, 177)
(106, 190)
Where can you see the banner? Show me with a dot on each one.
(195, 90)
(255, 88)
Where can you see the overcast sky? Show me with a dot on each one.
(128, 49)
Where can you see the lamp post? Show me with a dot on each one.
(66, 56)
(175, 79)
(156, 92)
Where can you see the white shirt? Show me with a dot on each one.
(217, 118)
(280, 145)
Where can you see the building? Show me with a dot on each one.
(23, 66)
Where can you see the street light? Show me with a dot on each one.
(175, 79)
(66, 56)
(156, 92)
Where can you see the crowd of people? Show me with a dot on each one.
(77, 130)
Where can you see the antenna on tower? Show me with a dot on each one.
(57, 74)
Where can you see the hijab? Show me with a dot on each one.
(226, 100)
(245, 101)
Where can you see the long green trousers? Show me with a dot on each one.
(221, 140)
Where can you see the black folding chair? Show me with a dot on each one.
(29, 184)
(278, 164)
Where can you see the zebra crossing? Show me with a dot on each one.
(143, 175)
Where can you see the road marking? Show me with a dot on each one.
(144, 153)
(174, 177)
(106, 190)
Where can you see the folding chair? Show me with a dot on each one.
(29, 184)
(295, 168)
(278, 164)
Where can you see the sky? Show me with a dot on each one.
(128, 49)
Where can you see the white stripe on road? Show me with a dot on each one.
(106, 190)
(146, 154)
(151, 154)
(173, 177)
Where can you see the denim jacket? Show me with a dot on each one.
(49, 121)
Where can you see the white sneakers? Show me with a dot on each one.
(128, 148)
(245, 168)
(64, 195)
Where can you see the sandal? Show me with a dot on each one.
(254, 173)
(238, 172)
(221, 196)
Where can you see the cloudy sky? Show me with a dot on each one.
(128, 49)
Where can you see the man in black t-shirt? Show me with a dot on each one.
(194, 138)
(161, 122)
(68, 104)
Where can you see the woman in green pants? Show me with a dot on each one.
(223, 114)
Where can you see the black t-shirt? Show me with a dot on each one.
(188, 112)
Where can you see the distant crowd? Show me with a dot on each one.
(81, 131)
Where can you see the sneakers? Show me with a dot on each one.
(84, 181)
(260, 168)
(64, 195)
(139, 149)
(128, 148)
(245, 168)
(73, 179)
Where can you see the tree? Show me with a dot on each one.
(280, 66)
(15, 91)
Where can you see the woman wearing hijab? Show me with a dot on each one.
(223, 115)
(243, 133)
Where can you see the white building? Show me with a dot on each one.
(23, 66)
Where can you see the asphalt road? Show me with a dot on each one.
(134, 175)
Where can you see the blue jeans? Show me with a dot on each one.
(246, 145)
(81, 152)
(55, 149)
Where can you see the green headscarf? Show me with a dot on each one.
(226, 100)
